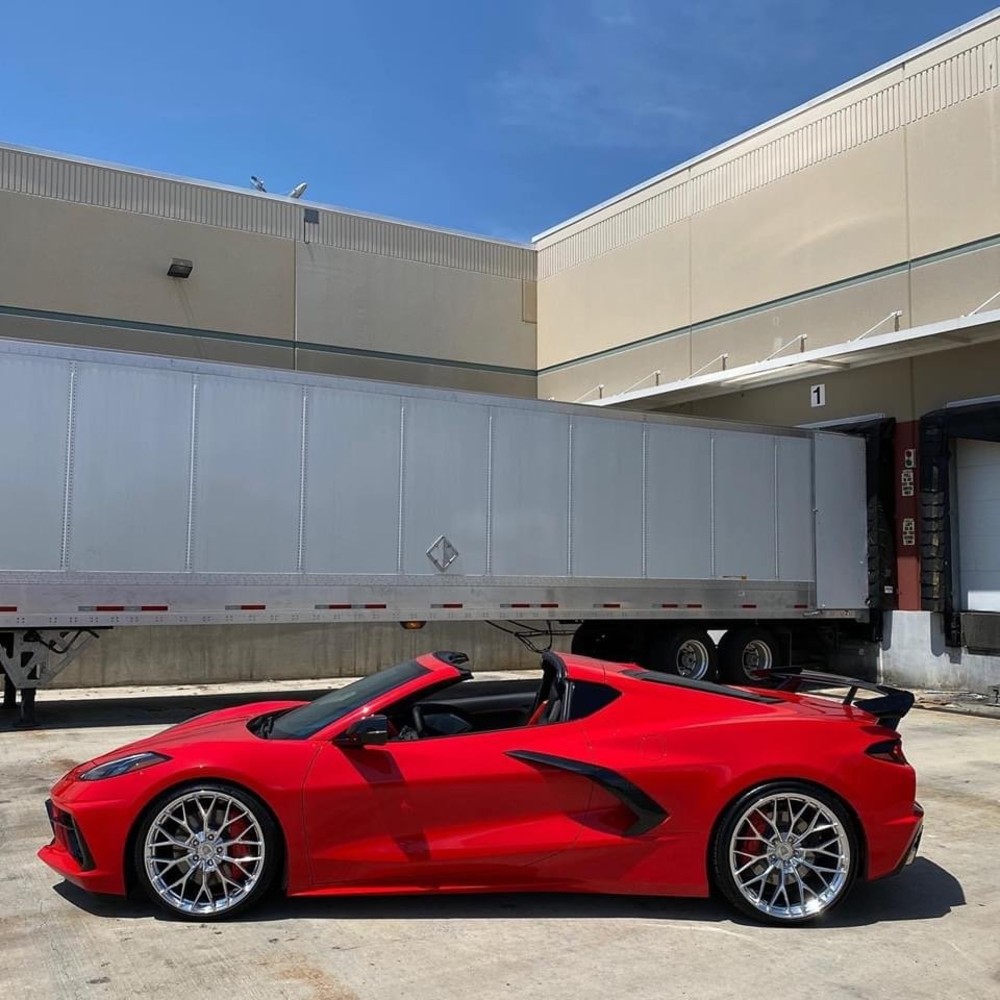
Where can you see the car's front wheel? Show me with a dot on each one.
(206, 851)
(786, 853)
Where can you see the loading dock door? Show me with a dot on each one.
(977, 482)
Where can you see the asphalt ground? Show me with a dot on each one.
(932, 932)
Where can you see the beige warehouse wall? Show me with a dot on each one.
(894, 168)
(79, 259)
(953, 178)
(842, 217)
(378, 303)
(96, 277)
(640, 289)
(938, 289)
(441, 376)
(904, 389)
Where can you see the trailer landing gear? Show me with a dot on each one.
(30, 659)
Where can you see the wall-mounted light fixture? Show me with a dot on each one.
(180, 268)
(413, 626)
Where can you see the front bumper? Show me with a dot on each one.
(88, 839)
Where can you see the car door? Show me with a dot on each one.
(475, 809)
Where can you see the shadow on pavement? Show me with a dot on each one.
(154, 710)
(925, 891)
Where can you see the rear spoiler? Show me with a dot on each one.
(889, 708)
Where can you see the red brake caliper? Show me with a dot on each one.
(238, 850)
(754, 846)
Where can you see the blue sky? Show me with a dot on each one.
(499, 118)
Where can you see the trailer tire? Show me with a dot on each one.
(748, 655)
(686, 651)
(602, 640)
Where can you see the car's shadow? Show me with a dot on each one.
(148, 710)
(925, 891)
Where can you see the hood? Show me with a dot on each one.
(224, 725)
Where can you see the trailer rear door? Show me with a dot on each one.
(841, 522)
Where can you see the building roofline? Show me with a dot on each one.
(284, 199)
(843, 88)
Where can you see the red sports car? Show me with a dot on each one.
(599, 777)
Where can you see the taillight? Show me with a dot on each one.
(888, 750)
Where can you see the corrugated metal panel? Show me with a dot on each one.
(958, 78)
(393, 239)
(35, 463)
(83, 183)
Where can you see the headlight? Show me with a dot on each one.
(123, 765)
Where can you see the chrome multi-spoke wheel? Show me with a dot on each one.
(205, 852)
(786, 853)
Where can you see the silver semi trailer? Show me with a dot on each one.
(142, 490)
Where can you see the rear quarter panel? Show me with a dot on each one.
(697, 753)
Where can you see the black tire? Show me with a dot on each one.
(725, 855)
(258, 833)
(748, 655)
(602, 640)
(686, 651)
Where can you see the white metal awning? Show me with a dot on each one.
(857, 353)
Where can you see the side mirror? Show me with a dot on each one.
(372, 731)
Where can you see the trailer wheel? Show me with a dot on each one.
(748, 655)
(685, 651)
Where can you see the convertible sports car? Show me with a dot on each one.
(600, 777)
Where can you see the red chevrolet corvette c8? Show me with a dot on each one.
(597, 777)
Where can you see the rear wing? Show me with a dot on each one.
(889, 707)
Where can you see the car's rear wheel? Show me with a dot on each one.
(786, 853)
(206, 851)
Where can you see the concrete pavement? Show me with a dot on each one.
(932, 932)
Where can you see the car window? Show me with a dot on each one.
(303, 722)
(588, 697)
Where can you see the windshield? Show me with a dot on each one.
(303, 722)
